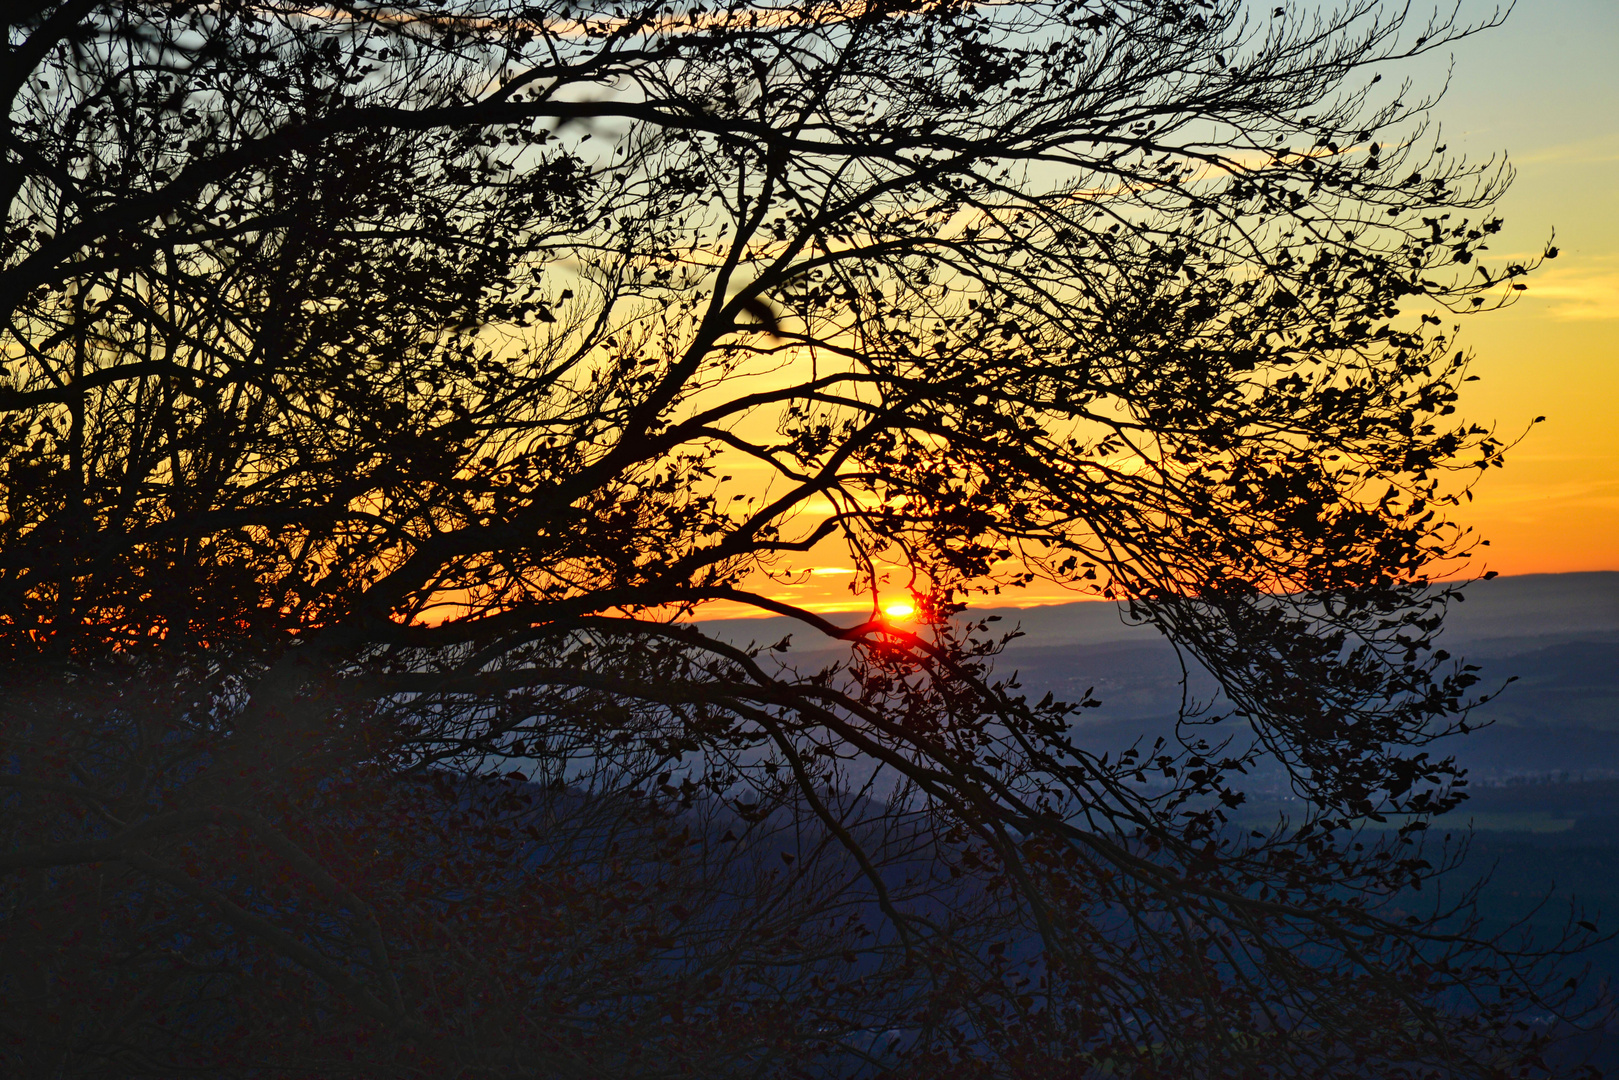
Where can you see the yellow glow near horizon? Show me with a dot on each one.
(899, 609)
(1554, 508)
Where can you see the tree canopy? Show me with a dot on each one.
(387, 385)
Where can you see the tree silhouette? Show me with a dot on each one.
(386, 382)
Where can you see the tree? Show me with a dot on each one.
(375, 376)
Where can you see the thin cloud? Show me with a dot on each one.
(1604, 147)
(1583, 290)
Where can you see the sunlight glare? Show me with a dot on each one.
(900, 609)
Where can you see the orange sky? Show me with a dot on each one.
(1544, 89)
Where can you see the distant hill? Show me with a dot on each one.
(1557, 633)
(1515, 612)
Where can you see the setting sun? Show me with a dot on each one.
(900, 609)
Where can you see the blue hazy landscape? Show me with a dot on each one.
(1542, 760)
(1555, 635)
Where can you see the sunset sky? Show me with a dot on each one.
(1544, 89)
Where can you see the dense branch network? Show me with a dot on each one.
(391, 378)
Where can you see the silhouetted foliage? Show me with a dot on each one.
(374, 374)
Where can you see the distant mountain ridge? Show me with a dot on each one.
(1524, 611)
(1558, 634)
(1506, 609)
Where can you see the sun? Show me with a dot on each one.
(899, 609)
